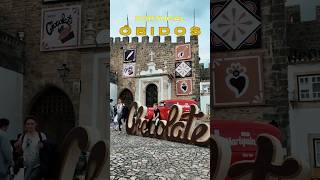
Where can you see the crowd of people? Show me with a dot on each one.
(26, 157)
(119, 113)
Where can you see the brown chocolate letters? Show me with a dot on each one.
(180, 127)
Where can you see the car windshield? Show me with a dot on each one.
(163, 104)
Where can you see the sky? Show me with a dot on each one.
(119, 9)
(307, 8)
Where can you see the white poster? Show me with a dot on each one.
(61, 28)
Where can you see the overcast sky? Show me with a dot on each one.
(120, 8)
(307, 7)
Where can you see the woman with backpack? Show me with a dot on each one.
(29, 145)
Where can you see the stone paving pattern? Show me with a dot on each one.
(135, 157)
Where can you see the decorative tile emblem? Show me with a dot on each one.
(128, 70)
(184, 87)
(183, 69)
(129, 56)
(183, 52)
(235, 25)
(238, 81)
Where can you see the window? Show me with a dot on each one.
(205, 88)
(309, 87)
(316, 146)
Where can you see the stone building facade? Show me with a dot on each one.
(268, 99)
(303, 91)
(55, 98)
(158, 68)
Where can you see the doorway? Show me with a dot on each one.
(151, 95)
(55, 112)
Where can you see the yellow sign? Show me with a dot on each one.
(158, 18)
(162, 31)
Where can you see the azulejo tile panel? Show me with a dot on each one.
(235, 25)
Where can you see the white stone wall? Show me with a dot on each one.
(113, 93)
(11, 99)
(204, 98)
(304, 116)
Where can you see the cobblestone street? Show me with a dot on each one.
(134, 157)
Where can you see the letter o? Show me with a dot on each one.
(125, 30)
(180, 31)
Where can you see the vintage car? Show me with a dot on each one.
(165, 105)
(242, 136)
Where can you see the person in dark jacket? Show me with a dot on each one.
(125, 113)
(6, 159)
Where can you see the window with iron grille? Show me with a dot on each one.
(309, 87)
(205, 88)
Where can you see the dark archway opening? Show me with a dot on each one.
(151, 95)
(127, 97)
(55, 112)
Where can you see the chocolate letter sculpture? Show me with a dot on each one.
(269, 163)
(79, 139)
(180, 127)
(220, 157)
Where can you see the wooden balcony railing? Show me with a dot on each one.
(11, 44)
(299, 56)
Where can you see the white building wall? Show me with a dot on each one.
(204, 102)
(11, 92)
(302, 123)
(113, 93)
(204, 97)
(304, 116)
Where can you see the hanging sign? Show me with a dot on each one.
(61, 28)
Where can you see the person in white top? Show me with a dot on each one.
(30, 143)
(119, 107)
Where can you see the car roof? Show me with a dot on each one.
(178, 100)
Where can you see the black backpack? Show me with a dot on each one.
(125, 112)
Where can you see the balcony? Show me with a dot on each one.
(301, 56)
(11, 52)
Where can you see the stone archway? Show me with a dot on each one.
(55, 111)
(151, 94)
(127, 97)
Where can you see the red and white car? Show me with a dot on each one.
(165, 106)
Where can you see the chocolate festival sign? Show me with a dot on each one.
(60, 28)
(180, 127)
(126, 30)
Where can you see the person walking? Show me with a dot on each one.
(111, 115)
(115, 118)
(6, 159)
(119, 107)
(30, 144)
